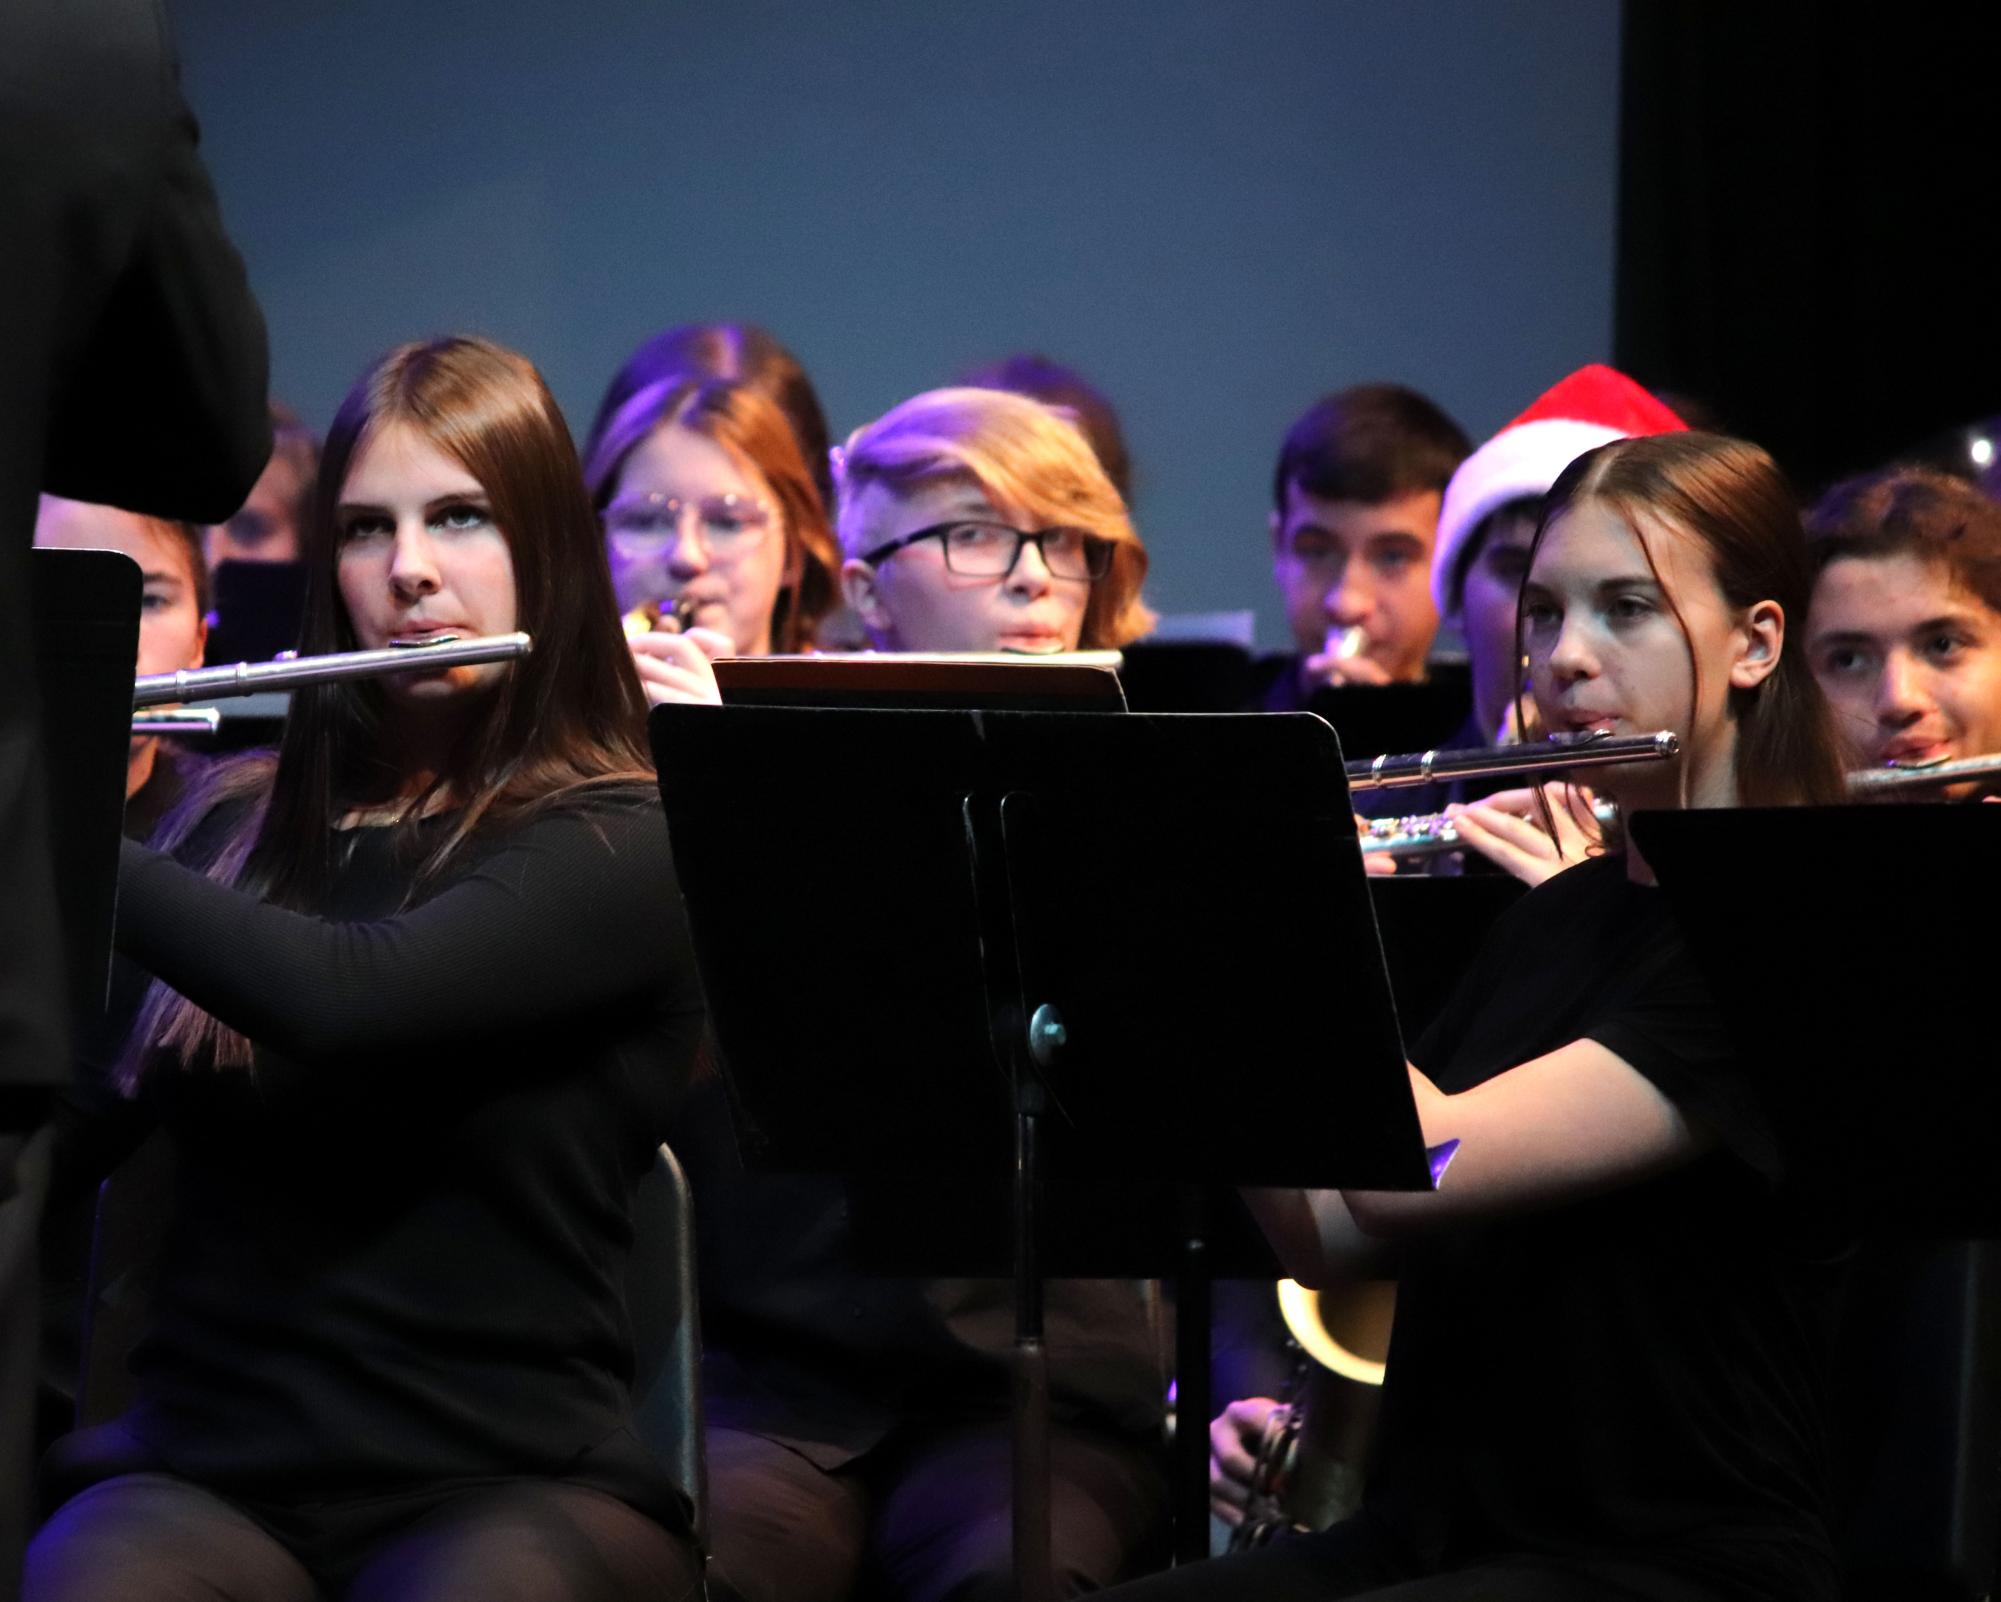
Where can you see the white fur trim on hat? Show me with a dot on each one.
(1525, 459)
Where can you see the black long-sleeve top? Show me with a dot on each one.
(398, 1245)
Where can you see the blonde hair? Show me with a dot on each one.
(1029, 460)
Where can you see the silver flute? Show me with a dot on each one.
(287, 673)
(1554, 755)
(178, 720)
(1433, 833)
(1428, 834)
(1888, 781)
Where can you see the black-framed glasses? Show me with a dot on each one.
(990, 550)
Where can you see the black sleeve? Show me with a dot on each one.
(578, 908)
(1668, 1029)
(174, 368)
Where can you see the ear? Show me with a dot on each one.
(1277, 525)
(1760, 636)
(858, 583)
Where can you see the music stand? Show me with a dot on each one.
(86, 610)
(1854, 993)
(1398, 717)
(1882, 1101)
(257, 611)
(976, 1010)
(865, 679)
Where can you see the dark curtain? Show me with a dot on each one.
(1806, 220)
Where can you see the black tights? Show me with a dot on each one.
(155, 1538)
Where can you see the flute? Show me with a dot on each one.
(286, 673)
(1881, 781)
(1553, 755)
(1433, 833)
(178, 720)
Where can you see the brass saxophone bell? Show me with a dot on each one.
(1306, 1473)
(1345, 1331)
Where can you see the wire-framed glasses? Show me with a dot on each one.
(729, 523)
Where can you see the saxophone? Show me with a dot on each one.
(1307, 1470)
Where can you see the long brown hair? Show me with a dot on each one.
(748, 424)
(1731, 497)
(569, 714)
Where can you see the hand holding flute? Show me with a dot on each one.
(672, 655)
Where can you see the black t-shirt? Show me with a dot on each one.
(398, 1248)
(1633, 1377)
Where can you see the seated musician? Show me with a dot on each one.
(980, 520)
(414, 1038)
(1355, 503)
(858, 1437)
(707, 502)
(1905, 630)
(1603, 1376)
(1484, 531)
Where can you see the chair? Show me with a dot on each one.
(667, 1337)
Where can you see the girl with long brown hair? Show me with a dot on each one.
(1603, 1376)
(429, 1005)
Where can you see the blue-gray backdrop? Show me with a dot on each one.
(1216, 210)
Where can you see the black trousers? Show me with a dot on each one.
(1357, 1559)
(155, 1538)
(924, 1517)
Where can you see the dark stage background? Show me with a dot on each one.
(1805, 230)
(1217, 211)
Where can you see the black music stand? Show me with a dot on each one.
(1855, 994)
(1398, 717)
(974, 1010)
(86, 610)
(258, 609)
(1883, 1114)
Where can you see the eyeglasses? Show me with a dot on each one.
(730, 523)
(991, 550)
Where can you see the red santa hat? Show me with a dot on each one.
(1591, 407)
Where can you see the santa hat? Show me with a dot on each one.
(1591, 407)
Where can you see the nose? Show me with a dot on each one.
(689, 556)
(1900, 690)
(1030, 576)
(1570, 656)
(413, 564)
(1350, 599)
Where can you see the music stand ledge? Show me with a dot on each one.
(1108, 941)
